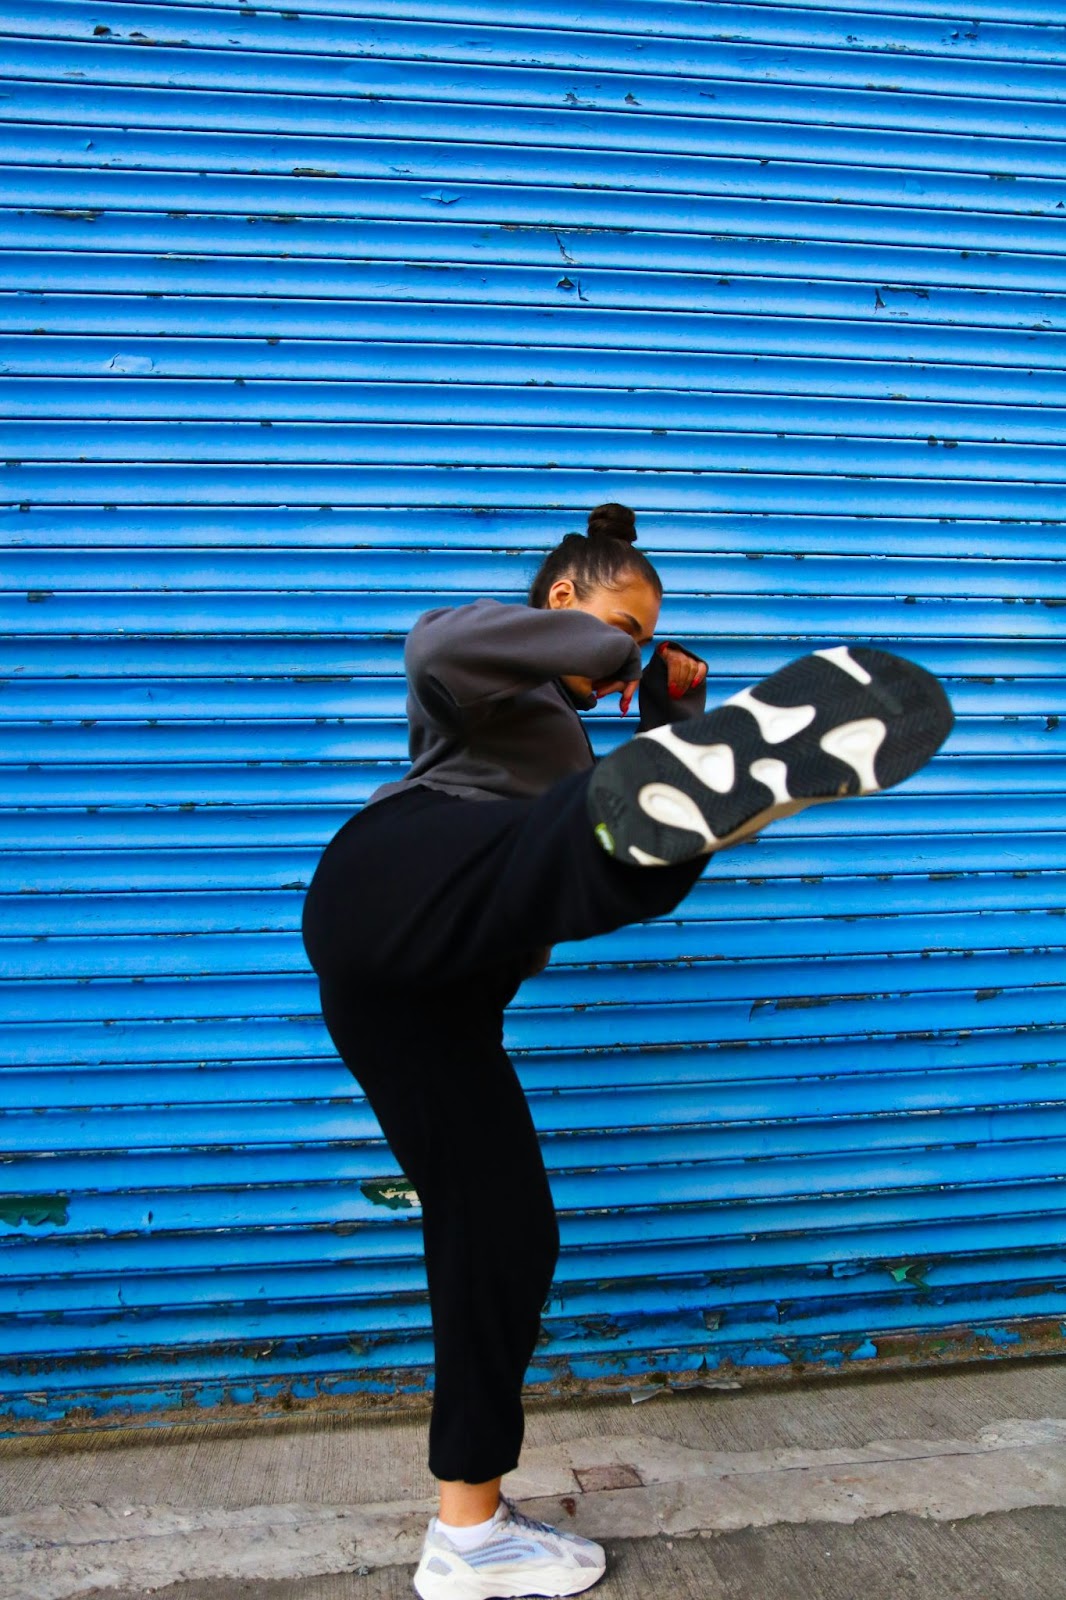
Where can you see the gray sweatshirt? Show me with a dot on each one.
(488, 717)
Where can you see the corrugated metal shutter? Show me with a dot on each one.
(311, 319)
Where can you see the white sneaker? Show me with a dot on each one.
(519, 1557)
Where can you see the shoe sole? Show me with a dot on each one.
(460, 1586)
(840, 722)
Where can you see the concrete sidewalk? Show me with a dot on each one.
(935, 1485)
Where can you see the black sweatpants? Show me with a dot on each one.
(423, 917)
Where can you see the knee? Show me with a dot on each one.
(521, 1217)
(536, 1227)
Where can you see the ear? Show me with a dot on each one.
(562, 595)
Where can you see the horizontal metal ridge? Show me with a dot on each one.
(263, 744)
(169, 402)
(358, 1287)
(565, 1095)
(523, 197)
(333, 658)
(240, 701)
(845, 494)
(329, 612)
(925, 28)
(164, 1265)
(885, 375)
(348, 783)
(741, 888)
(302, 86)
(112, 1035)
(683, 18)
(262, 833)
(170, 1352)
(130, 1021)
(802, 862)
(552, 163)
(848, 1114)
(545, 1071)
(847, 1229)
(739, 1295)
(933, 63)
(333, 245)
(838, 1143)
(138, 1181)
(346, 770)
(438, 575)
(774, 983)
(525, 532)
(219, 1370)
(319, 131)
(224, 1370)
(787, 908)
(711, 1214)
(725, 451)
(196, 953)
(418, 284)
(352, 322)
(977, 761)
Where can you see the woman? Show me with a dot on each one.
(429, 908)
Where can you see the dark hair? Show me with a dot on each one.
(602, 558)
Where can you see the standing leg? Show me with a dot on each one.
(435, 1072)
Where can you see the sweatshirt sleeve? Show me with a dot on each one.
(658, 706)
(462, 657)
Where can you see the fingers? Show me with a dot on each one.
(626, 691)
(683, 671)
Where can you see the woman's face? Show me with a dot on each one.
(630, 605)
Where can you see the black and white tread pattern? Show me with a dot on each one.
(843, 721)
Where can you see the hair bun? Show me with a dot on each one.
(612, 521)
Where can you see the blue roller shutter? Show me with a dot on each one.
(310, 320)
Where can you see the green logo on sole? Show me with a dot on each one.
(606, 838)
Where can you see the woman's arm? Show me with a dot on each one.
(462, 657)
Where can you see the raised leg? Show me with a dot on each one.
(426, 889)
(843, 721)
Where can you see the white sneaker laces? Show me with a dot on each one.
(522, 1521)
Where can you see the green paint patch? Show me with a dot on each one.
(35, 1210)
(395, 1193)
(911, 1272)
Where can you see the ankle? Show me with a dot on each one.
(465, 1505)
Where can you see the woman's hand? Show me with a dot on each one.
(684, 671)
(581, 688)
